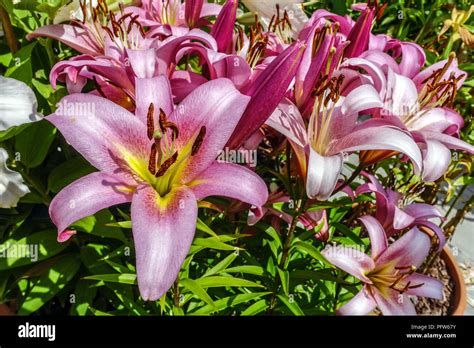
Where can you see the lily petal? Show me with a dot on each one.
(223, 28)
(230, 180)
(156, 90)
(379, 138)
(323, 172)
(12, 187)
(360, 304)
(431, 288)
(107, 135)
(70, 35)
(350, 260)
(378, 239)
(86, 197)
(436, 160)
(216, 105)
(163, 229)
(17, 104)
(409, 250)
(267, 90)
(394, 303)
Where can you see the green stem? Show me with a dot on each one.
(284, 257)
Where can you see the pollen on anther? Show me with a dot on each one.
(198, 142)
(150, 122)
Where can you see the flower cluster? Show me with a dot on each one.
(164, 96)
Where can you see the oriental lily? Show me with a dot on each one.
(422, 107)
(162, 160)
(396, 215)
(389, 274)
(332, 131)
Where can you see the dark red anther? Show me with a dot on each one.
(166, 164)
(198, 142)
(150, 121)
(152, 160)
(162, 120)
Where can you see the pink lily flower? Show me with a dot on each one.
(333, 131)
(267, 90)
(422, 110)
(323, 53)
(396, 216)
(389, 274)
(174, 18)
(162, 160)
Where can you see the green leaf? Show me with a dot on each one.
(250, 269)
(217, 281)
(34, 142)
(197, 290)
(20, 65)
(201, 226)
(31, 249)
(67, 172)
(213, 243)
(347, 232)
(124, 278)
(84, 295)
(99, 313)
(221, 266)
(255, 308)
(291, 304)
(312, 251)
(285, 280)
(13, 131)
(230, 301)
(49, 284)
(99, 225)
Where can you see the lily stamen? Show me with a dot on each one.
(198, 142)
(166, 164)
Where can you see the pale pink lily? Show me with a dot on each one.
(389, 274)
(162, 160)
(396, 215)
(333, 131)
(420, 106)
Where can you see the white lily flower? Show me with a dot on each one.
(18, 104)
(72, 11)
(267, 8)
(12, 187)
